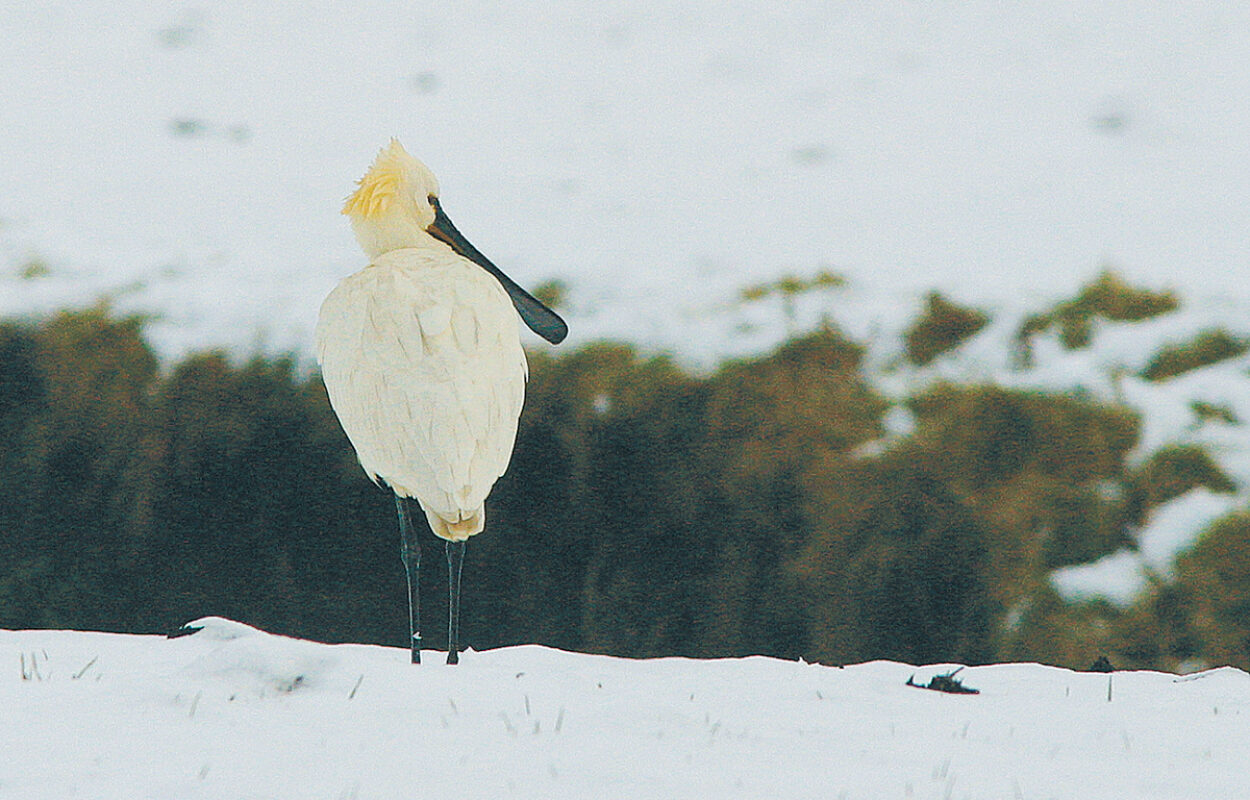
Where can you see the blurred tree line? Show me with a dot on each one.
(647, 511)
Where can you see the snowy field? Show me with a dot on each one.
(189, 161)
(234, 712)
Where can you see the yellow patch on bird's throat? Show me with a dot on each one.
(378, 190)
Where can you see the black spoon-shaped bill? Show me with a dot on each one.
(540, 319)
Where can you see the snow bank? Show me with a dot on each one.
(231, 711)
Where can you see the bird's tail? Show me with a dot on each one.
(457, 530)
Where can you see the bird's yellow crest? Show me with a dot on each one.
(378, 190)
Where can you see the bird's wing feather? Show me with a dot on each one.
(423, 365)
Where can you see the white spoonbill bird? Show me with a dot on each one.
(421, 357)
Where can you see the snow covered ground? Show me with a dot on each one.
(234, 712)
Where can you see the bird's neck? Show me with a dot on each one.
(382, 236)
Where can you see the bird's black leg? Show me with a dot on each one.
(455, 560)
(410, 552)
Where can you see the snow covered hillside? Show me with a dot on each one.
(656, 157)
(231, 711)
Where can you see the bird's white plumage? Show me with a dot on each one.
(422, 360)
(420, 353)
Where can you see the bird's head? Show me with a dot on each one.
(394, 204)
